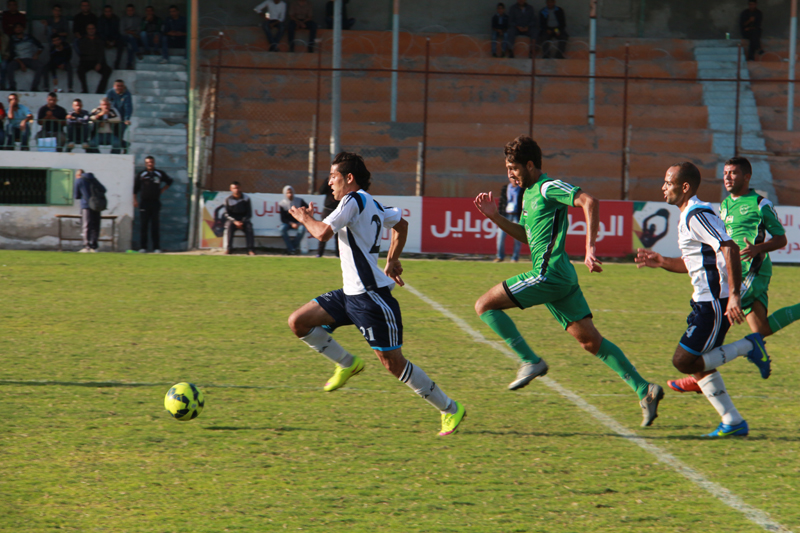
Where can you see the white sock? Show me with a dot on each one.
(418, 380)
(714, 389)
(319, 340)
(725, 354)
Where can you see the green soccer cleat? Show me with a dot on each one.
(342, 374)
(450, 422)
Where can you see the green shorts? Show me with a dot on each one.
(565, 301)
(755, 291)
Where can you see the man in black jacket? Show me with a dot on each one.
(238, 212)
(92, 55)
(151, 182)
(552, 31)
(750, 24)
(90, 219)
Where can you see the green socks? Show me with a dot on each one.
(616, 361)
(507, 330)
(783, 317)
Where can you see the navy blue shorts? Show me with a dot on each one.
(375, 313)
(708, 326)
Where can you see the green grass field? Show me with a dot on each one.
(93, 449)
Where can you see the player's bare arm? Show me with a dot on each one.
(485, 204)
(751, 251)
(649, 258)
(393, 268)
(305, 216)
(591, 211)
(734, 266)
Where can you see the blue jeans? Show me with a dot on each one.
(506, 45)
(132, 43)
(149, 40)
(501, 240)
(273, 39)
(176, 43)
(104, 139)
(14, 133)
(292, 244)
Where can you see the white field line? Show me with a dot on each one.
(757, 516)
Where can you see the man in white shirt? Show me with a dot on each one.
(366, 299)
(711, 258)
(275, 21)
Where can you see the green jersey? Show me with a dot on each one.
(749, 217)
(544, 217)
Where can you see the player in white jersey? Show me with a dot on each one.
(711, 258)
(366, 299)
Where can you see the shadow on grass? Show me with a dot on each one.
(248, 428)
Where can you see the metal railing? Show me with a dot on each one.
(52, 135)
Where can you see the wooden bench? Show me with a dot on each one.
(112, 239)
(270, 233)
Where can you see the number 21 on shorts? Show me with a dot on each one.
(367, 334)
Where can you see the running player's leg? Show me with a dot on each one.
(783, 317)
(307, 324)
(757, 319)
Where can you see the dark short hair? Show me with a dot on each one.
(13, 94)
(150, 7)
(57, 6)
(78, 100)
(742, 163)
(524, 149)
(173, 6)
(130, 5)
(350, 163)
(501, 4)
(236, 183)
(120, 81)
(149, 157)
(53, 95)
(108, 6)
(688, 173)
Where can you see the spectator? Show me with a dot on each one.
(500, 30)
(151, 31)
(122, 100)
(92, 55)
(57, 25)
(750, 24)
(288, 222)
(552, 29)
(77, 126)
(329, 206)
(5, 52)
(174, 33)
(151, 182)
(301, 16)
(347, 23)
(108, 30)
(60, 58)
(521, 21)
(2, 124)
(511, 208)
(11, 17)
(90, 219)
(18, 127)
(83, 19)
(105, 118)
(25, 51)
(131, 26)
(276, 16)
(52, 118)
(238, 213)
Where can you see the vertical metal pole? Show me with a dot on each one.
(216, 107)
(312, 156)
(317, 116)
(792, 60)
(592, 56)
(624, 120)
(336, 79)
(420, 156)
(421, 188)
(533, 94)
(192, 126)
(627, 176)
(736, 113)
(395, 55)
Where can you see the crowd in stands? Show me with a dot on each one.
(56, 130)
(299, 15)
(547, 30)
(82, 43)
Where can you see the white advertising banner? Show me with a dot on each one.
(267, 218)
(656, 227)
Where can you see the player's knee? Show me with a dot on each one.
(480, 307)
(296, 325)
(591, 345)
(684, 364)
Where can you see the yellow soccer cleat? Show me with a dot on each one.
(342, 374)
(451, 422)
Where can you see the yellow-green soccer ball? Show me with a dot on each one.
(184, 401)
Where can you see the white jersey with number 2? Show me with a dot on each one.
(358, 223)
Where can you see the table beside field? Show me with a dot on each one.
(112, 239)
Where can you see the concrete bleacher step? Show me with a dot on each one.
(152, 59)
(155, 75)
(160, 99)
(152, 85)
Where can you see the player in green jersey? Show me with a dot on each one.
(748, 217)
(552, 281)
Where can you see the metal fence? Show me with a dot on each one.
(51, 135)
(269, 120)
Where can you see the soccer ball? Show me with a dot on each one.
(184, 401)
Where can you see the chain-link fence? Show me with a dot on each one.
(613, 132)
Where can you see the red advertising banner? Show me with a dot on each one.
(454, 225)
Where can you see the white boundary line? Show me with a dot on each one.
(757, 516)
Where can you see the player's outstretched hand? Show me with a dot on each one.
(591, 262)
(485, 204)
(648, 258)
(393, 269)
(750, 251)
(734, 312)
(302, 214)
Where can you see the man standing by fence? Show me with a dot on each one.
(151, 182)
(85, 182)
